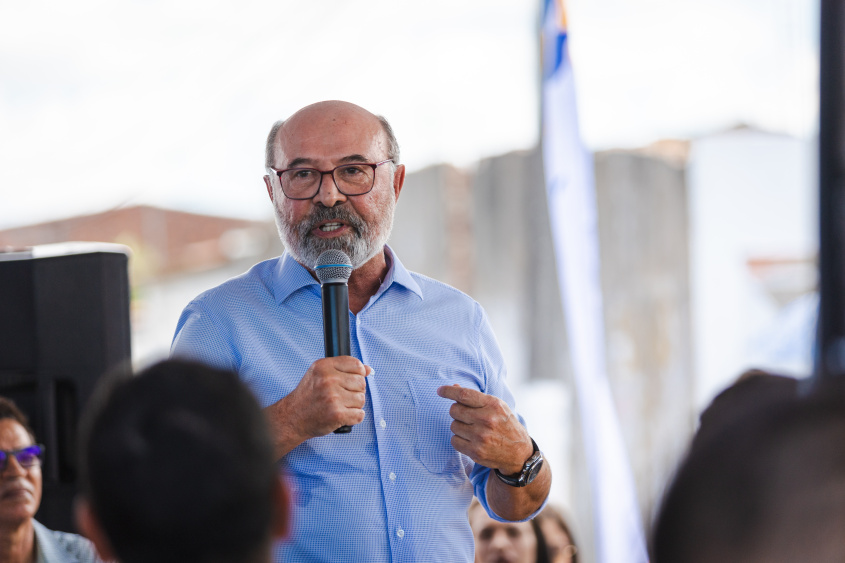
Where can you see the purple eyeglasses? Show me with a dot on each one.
(27, 457)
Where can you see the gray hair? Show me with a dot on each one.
(271, 143)
(392, 143)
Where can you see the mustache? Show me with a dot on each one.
(336, 213)
(15, 485)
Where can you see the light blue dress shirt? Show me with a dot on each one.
(53, 546)
(393, 489)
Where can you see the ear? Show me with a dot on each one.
(269, 185)
(398, 180)
(89, 526)
(281, 509)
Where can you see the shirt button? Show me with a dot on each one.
(400, 532)
(382, 423)
(392, 476)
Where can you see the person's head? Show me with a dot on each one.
(753, 390)
(321, 137)
(177, 465)
(20, 478)
(765, 487)
(559, 539)
(505, 542)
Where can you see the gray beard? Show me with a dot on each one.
(361, 244)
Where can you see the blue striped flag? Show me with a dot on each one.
(572, 207)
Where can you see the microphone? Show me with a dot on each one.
(333, 270)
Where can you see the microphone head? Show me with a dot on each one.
(333, 266)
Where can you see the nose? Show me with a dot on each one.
(499, 540)
(328, 194)
(13, 468)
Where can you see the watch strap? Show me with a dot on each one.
(529, 472)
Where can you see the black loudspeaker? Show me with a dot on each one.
(64, 322)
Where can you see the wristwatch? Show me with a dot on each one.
(530, 469)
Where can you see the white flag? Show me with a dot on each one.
(572, 207)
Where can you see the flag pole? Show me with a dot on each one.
(571, 199)
(830, 337)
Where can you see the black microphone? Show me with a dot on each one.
(333, 270)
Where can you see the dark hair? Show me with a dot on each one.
(767, 486)
(551, 513)
(542, 548)
(178, 465)
(753, 390)
(8, 409)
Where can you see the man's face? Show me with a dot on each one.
(322, 137)
(20, 487)
(502, 542)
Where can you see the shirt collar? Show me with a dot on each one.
(398, 274)
(291, 276)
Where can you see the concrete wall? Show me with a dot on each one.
(643, 230)
(432, 223)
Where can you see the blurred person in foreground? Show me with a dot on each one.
(433, 421)
(766, 486)
(22, 538)
(506, 542)
(559, 540)
(177, 466)
(753, 390)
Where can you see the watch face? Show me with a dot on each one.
(534, 470)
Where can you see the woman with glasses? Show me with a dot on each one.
(22, 538)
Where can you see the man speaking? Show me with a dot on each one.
(433, 421)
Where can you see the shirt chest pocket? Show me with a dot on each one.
(433, 446)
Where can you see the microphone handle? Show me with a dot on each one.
(336, 325)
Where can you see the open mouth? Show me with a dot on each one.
(329, 227)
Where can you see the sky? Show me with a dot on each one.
(107, 103)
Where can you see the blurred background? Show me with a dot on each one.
(143, 123)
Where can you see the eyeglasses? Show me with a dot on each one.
(350, 179)
(27, 457)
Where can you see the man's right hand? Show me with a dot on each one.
(330, 394)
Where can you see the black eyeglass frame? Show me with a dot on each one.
(331, 173)
(4, 461)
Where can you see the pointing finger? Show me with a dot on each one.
(463, 395)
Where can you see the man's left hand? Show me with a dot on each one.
(486, 430)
